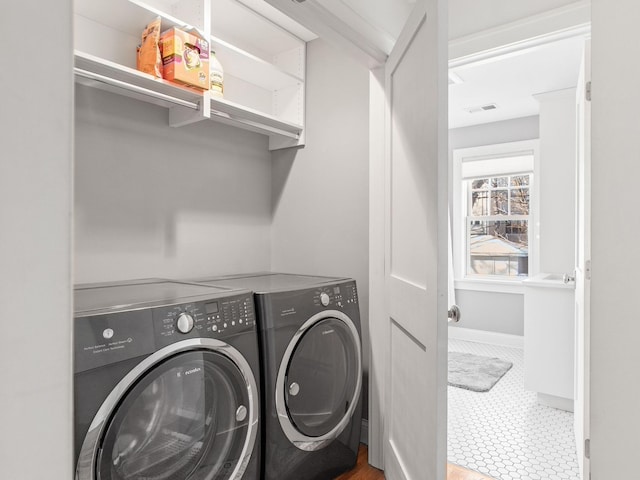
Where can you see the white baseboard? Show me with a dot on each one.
(481, 336)
(552, 401)
(364, 432)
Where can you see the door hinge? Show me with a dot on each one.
(587, 448)
(587, 269)
(587, 91)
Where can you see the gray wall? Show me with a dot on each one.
(493, 312)
(144, 208)
(615, 325)
(36, 420)
(320, 193)
(515, 130)
(152, 200)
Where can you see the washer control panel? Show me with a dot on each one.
(210, 319)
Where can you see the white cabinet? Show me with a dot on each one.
(549, 339)
(264, 64)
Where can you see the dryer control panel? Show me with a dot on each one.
(288, 308)
(205, 319)
(336, 295)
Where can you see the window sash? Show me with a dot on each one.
(492, 218)
(468, 183)
(497, 218)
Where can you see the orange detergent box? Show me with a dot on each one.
(185, 58)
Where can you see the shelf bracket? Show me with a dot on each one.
(278, 142)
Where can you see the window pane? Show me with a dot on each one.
(479, 203)
(500, 182)
(480, 183)
(498, 247)
(520, 201)
(520, 181)
(499, 202)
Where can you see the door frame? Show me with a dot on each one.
(582, 384)
(508, 39)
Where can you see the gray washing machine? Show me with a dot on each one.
(166, 382)
(310, 343)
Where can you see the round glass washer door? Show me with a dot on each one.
(192, 415)
(319, 381)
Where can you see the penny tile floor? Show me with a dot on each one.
(505, 433)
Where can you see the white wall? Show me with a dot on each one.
(152, 200)
(555, 183)
(615, 321)
(478, 308)
(320, 192)
(35, 245)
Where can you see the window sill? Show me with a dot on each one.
(490, 285)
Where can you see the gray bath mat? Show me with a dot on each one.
(476, 373)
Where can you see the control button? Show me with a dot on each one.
(224, 325)
(233, 323)
(214, 328)
(324, 299)
(184, 323)
(107, 333)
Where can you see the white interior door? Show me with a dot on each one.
(583, 260)
(416, 248)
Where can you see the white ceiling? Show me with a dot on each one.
(511, 80)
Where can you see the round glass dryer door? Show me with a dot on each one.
(321, 380)
(191, 416)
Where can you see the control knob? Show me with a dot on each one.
(184, 323)
(324, 299)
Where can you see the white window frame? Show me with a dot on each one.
(459, 219)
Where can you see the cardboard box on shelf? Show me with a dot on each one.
(185, 58)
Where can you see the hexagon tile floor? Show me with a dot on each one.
(505, 433)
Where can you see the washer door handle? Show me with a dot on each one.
(294, 389)
(241, 413)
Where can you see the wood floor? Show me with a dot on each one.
(364, 471)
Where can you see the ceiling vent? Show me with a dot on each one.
(482, 108)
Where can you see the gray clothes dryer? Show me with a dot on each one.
(166, 382)
(309, 330)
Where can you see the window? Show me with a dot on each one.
(493, 208)
(497, 225)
